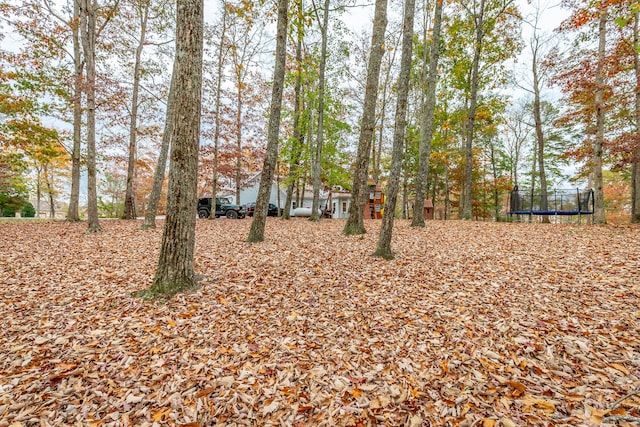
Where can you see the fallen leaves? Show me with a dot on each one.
(471, 324)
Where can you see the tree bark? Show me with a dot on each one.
(537, 116)
(175, 266)
(256, 233)
(296, 150)
(355, 220)
(38, 190)
(317, 160)
(50, 191)
(239, 137)
(468, 163)
(129, 198)
(88, 25)
(216, 134)
(426, 125)
(496, 193)
(161, 166)
(635, 169)
(74, 199)
(598, 215)
(386, 231)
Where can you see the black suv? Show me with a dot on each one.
(273, 209)
(223, 208)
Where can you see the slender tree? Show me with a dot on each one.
(478, 17)
(78, 65)
(222, 50)
(484, 18)
(598, 214)
(539, 76)
(635, 165)
(161, 166)
(317, 158)
(355, 220)
(175, 266)
(142, 13)
(426, 125)
(256, 234)
(88, 35)
(298, 135)
(386, 231)
(245, 31)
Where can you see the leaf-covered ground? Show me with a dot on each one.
(471, 324)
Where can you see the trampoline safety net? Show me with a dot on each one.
(559, 202)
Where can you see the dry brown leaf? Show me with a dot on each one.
(306, 328)
(161, 414)
(620, 367)
(545, 405)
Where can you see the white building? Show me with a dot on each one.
(337, 200)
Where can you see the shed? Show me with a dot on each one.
(428, 209)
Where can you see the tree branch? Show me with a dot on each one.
(622, 399)
(620, 418)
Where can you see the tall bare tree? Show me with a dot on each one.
(78, 65)
(426, 124)
(635, 171)
(142, 9)
(298, 135)
(539, 74)
(256, 234)
(175, 266)
(161, 166)
(88, 36)
(386, 231)
(222, 50)
(598, 214)
(245, 31)
(355, 220)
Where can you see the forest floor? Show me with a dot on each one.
(483, 324)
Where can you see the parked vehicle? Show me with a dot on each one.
(224, 207)
(272, 211)
(306, 212)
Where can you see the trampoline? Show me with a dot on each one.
(560, 202)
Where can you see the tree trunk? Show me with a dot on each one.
(239, 139)
(216, 134)
(129, 198)
(635, 187)
(296, 150)
(175, 266)
(468, 164)
(47, 181)
(426, 122)
(496, 194)
(74, 199)
(405, 197)
(384, 240)
(539, 135)
(447, 191)
(317, 160)
(635, 172)
(38, 189)
(88, 24)
(158, 177)
(598, 215)
(376, 152)
(355, 220)
(256, 233)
